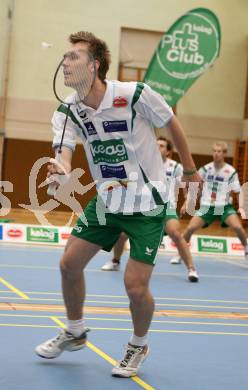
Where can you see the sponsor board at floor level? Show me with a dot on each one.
(30, 234)
(64, 234)
(42, 234)
(212, 244)
(235, 247)
(168, 245)
(14, 233)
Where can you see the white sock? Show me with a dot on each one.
(139, 341)
(75, 327)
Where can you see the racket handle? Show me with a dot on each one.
(53, 186)
(51, 189)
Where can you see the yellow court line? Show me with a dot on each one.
(43, 267)
(29, 326)
(176, 331)
(106, 357)
(123, 311)
(161, 330)
(184, 332)
(158, 305)
(126, 303)
(13, 289)
(40, 293)
(155, 273)
(129, 320)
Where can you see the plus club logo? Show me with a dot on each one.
(182, 52)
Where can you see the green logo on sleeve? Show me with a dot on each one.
(111, 151)
(214, 245)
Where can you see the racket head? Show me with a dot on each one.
(74, 76)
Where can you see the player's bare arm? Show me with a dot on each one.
(179, 140)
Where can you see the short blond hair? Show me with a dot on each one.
(222, 144)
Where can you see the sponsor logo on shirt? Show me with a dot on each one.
(168, 173)
(112, 126)
(149, 251)
(118, 172)
(210, 177)
(78, 228)
(90, 128)
(218, 178)
(83, 115)
(213, 195)
(110, 151)
(120, 101)
(226, 170)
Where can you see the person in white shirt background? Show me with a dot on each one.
(221, 182)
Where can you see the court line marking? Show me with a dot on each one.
(13, 289)
(125, 297)
(164, 256)
(126, 303)
(106, 357)
(154, 273)
(124, 311)
(129, 320)
(183, 331)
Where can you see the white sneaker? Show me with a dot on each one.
(130, 364)
(111, 266)
(65, 341)
(193, 275)
(176, 260)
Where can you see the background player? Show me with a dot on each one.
(220, 182)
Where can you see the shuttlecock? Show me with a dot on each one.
(46, 45)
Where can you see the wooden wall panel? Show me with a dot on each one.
(20, 155)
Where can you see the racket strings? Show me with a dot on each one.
(84, 80)
(75, 73)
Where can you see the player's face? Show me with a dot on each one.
(162, 145)
(218, 154)
(75, 65)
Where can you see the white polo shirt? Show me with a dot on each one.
(120, 144)
(218, 183)
(174, 173)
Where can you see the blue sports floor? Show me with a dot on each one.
(198, 338)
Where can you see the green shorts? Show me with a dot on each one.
(209, 215)
(144, 232)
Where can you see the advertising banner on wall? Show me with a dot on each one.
(185, 52)
(58, 236)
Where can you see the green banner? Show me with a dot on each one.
(185, 51)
